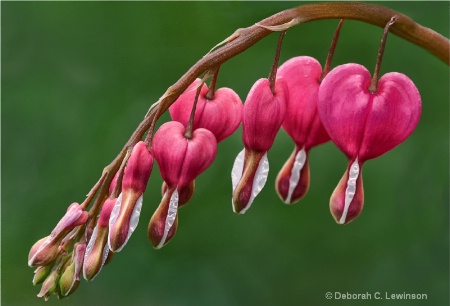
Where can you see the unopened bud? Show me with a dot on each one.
(46, 250)
(125, 214)
(70, 278)
(41, 273)
(97, 250)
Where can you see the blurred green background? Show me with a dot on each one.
(77, 78)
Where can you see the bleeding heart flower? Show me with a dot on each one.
(125, 214)
(364, 125)
(221, 115)
(180, 161)
(302, 76)
(264, 112)
(98, 249)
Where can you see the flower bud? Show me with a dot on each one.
(70, 278)
(264, 112)
(45, 251)
(125, 214)
(97, 249)
(41, 273)
(50, 285)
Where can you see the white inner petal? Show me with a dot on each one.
(259, 181)
(299, 163)
(113, 217)
(170, 219)
(236, 172)
(134, 220)
(351, 189)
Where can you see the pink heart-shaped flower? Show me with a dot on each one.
(364, 124)
(220, 115)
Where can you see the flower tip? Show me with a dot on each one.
(292, 182)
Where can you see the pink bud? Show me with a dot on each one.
(264, 112)
(97, 249)
(180, 161)
(125, 214)
(221, 115)
(365, 125)
(46, 250)
(302, 123)
(70, 278)
(113, 183)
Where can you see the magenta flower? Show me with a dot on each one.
(264, 112)
(302, 123)
(180, 161)
(125, 214)
(97, 249)
(220, 115)
(364, 125)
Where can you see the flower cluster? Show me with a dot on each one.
(364, 116)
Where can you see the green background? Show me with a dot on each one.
(78, 77)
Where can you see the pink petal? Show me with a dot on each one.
(138, 169)
(181, 109)
(223, 114)
(169, 148)
(200, 154)
(363, 124)
(302, 121)
(263, 114)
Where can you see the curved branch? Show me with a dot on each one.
(244, 38)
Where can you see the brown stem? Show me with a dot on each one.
(118, 187)
(273, 71)
(327, 66)
(190, 124)
(374, 82)
(212, 86)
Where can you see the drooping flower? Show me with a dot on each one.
(98, 249)
(221, 115)
(46, 249)
(364, 125)
(264, 112)
(124, 217)
(180, 161)
(302, 76)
